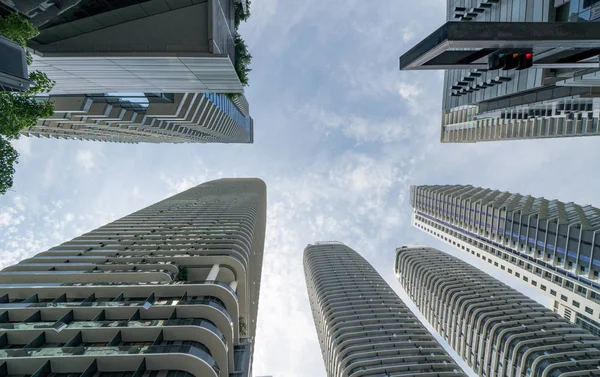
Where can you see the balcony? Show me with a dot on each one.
(116, 352)
(208, 325)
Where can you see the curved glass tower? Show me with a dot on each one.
(364, 328)
(494, 328)
(170, 290)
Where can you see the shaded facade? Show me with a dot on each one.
(551, 245)
(169, 46)
(172, 288)
(494, 328)
(150, 118)
(364, 329)
(14, 76)
(554, 97)
(156, 71)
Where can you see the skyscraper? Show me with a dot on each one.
(172, 288)
(144, 46)
(364, 328)
(140, 70)
(553, 246)
(515, 69)
(495, 329)
(149, 118)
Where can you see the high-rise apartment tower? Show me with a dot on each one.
(170, 290)
(551, 245)
(494, 328)
(148, 118)
(364, 329)
(154, 71)
(515, 69)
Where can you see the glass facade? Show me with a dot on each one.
(89, 8)
(227, 106)
(532, 96)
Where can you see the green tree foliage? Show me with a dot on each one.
(17, 29)
(8, 158)
(242, 59)
(19, 110)
(182, 275)
(243, 327)
(242, 56)
(41, 83)
(240, 15)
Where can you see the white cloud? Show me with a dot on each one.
(408, 34)
(85, 158)
(328, 93)
(410, 93)
(359, 128)
(23, 145)
(8, 217)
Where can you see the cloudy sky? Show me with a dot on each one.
(341, 134)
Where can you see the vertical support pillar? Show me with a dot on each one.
(214, 272)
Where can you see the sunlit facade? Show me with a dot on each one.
(170, 290)
(494, 328)
(552, 245)
(363, 327)
(148, 118)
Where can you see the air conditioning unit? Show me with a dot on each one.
(13, 67)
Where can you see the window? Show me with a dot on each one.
(509, 271)
(589, 310)
(543, 287)
(564, 298)
(534, 283)
(553, 292)
(502, 267)
(575, 303)
(495, 264)
(525, 278)
(557, 280)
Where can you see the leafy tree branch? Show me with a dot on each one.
(242, 55)
(20, 110)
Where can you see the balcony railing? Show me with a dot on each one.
(110, 351)
(174, 302)
(118, 324)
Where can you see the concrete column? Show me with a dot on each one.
(214, 272)
(233, 285)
